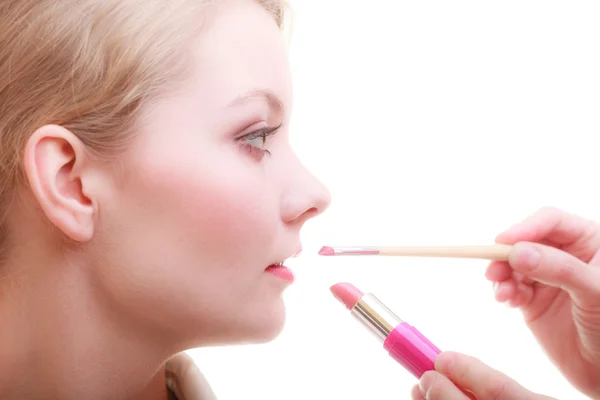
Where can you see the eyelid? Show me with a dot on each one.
(263, 132)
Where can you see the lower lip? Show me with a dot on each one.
(282, 272)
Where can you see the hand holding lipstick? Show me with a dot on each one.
(553, 276)
(454, 370)
(548, 266)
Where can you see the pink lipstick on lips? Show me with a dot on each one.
(281, 271)
(403, 342)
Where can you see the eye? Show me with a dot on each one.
(254, 142)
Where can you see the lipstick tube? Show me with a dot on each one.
(404, 343)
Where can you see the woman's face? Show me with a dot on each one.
(206, 203)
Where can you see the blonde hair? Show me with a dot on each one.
(89, 66)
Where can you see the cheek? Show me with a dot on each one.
(229, 214)
(187, 241)
(222, 208)
(188, 235)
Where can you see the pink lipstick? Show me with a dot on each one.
(403, 342)
(281, 271)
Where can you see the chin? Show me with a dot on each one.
(266, 326)
(259, 326)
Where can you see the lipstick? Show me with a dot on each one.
(404, 343)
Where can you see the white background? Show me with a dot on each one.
(432, 122)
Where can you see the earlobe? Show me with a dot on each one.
(55, 165)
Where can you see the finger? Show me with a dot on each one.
(520, 278)
(505, 290)
(523, 297)
(416, 394)
(555, 268)
(550, 224)
(485, 382)
(513, 293)
(498, 271)
(435, 386)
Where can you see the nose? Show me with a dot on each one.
(304, 196)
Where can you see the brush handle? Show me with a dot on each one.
(498, 252)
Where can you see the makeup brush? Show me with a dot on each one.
(498, 252)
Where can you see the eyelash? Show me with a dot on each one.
(263, 133)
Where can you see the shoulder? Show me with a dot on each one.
(186, 380)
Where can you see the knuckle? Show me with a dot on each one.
(436, 392)
(549, 210)
(428, 379)
(565, 272)
(463, 374)
(415, 393)
(571, 271)
(464, 368)
(461, 367)
(550, 214)
(496, 389)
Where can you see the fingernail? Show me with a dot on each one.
(526, 257)
(422, 388)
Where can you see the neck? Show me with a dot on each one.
(59, 341)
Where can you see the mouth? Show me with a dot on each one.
(279, 270)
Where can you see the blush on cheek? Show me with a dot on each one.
(222, 206)
(192, 229)
(191, 242)
(226, 221)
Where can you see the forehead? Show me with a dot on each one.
(241, 52)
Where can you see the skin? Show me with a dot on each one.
(553, 277)
(475, 380)
(119, 269)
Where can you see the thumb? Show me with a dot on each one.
(483, 381)
(556, 268)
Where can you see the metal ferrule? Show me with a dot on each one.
(376, 316)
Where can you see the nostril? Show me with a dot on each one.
(312, 212)
(305, 216)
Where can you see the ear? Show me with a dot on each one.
(57, 169)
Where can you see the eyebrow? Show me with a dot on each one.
(273, 101)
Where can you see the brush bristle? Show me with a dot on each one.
(326, 251)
